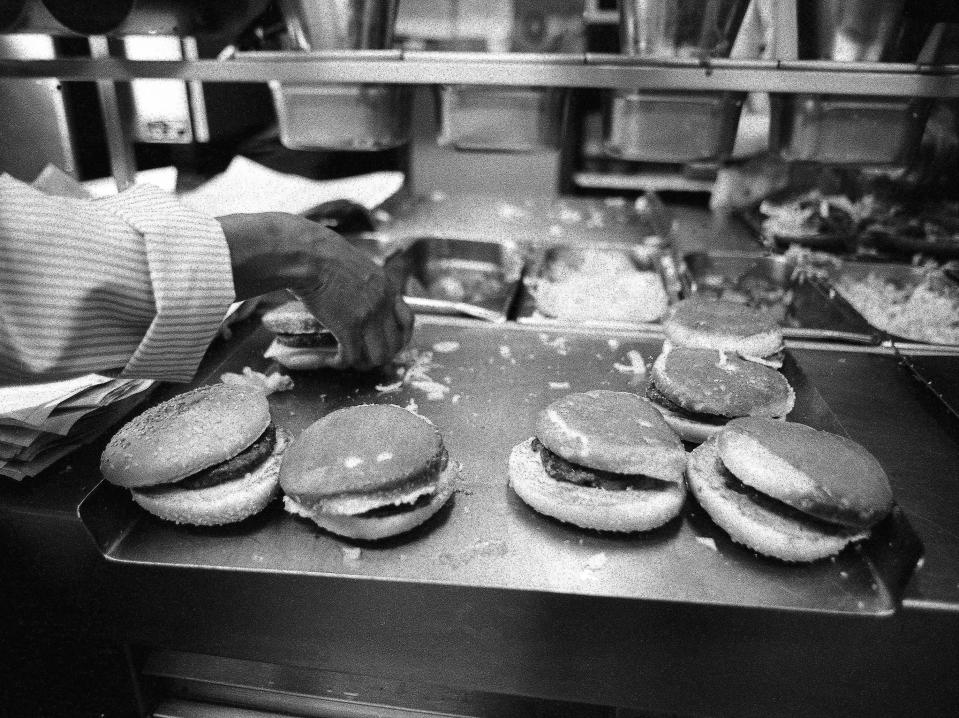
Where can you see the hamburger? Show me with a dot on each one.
(725, 326)
(300, 342)
(787, 490)
(698, 390)
(207, 457)
(367, 472)
(601, 460)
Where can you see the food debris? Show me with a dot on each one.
(505, 351)
(414, 371)
(559, 344)
(635, 366)
(446, 347)
(258, 380)
(351, 553)
(455, 399)
(597, 561)
(706, 541)
(511, 211)
(434, 390)
(389, 388)
(559, 385)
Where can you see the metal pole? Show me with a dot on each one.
(119, 145)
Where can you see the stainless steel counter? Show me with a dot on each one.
(489, 596)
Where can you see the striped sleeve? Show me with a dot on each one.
(134, 282)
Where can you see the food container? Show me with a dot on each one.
(849, 129)
(803, 305)
(589, 270)
(342, 116)
(674, 126)
(500, 119)
(915, 304)
(671, 126)
(845, 129)
(458, 276)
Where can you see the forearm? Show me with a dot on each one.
(94, 286)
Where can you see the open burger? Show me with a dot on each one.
(787, 490)
(207, 457)
(367, 472)
(300, 342)
(601, 460)
(727, 326)
(698, 390)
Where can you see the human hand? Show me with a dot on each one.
(340, 284)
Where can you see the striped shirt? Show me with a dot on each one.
(135, 282)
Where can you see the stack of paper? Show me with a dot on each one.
(41, 423)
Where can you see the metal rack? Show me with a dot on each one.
(535, 70)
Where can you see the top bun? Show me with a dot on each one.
(292, 318)
(379, 448)
(822, 474)
(184, 435)
(729, 326)
(712, 382)
(612, 431)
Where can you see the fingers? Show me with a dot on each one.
(404, 318)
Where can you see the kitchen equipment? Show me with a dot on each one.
(342, 116)
(674, 126)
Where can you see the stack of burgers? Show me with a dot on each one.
(718, 363)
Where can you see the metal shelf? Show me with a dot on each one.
(575, 70)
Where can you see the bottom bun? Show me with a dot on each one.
(302, 358)
(371, 528)
(748, 523)
(587, 507)
(224, 503)
(695, 432)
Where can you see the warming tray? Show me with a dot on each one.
(499, 377)
(807, 309)
(458, 276)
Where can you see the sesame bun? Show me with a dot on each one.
(821, 474)
(612, 431)
(780, 534)
(188, 433)
(223, 503)
(625, 511)
(366, 459)
(712, 324)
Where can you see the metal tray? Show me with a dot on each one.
(544, 263)
(810, 310)
(901, 275)
(459, 276)
(500, 376)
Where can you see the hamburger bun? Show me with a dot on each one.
(726, 326)
(587, 507)
(614, 431)
(824, 475)
(209, 456)
(301, 342)
(699, 390)
(367, 472)
(786, 490)
(602, 460)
